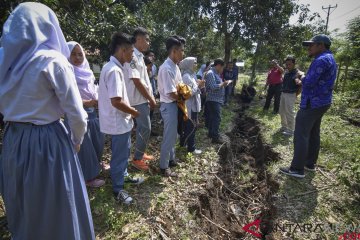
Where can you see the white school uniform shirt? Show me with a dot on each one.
(137, 69)
(46, 92)
(112, 84)
(169, 77)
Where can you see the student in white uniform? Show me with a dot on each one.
(140, 97)
(193, 104)
(41, 179)
(115, 111)
(93, 144)
(168, 78)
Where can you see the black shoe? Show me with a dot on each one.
(217, 140)
(168, 173)
(293, 173)
(132, 180)
(154, 134)
(123, 196)
(173, 164)
(310, 169)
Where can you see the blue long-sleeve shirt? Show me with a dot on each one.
(214, 91)
(319, 81)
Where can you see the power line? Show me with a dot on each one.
(347, 13)
(328, 14)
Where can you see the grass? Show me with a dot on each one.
(163, 207)
(330, 196)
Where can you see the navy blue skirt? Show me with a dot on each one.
(42, 184)
(91, 149)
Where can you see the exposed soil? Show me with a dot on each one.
(231, 201)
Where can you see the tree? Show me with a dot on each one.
(88, 22)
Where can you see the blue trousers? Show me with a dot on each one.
(120, 147)
(228, 91)
(187, 137)
(214, 118)
(307, 137)
(143, 130)
(169, 114)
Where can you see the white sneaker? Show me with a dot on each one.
(124, 197)
(197, 152)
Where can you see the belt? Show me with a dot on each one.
(23, 123)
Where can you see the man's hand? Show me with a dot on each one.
(225, 83)
(152, 103)
(298, 81)
(135, 113)
(201, 83)
(77, 147)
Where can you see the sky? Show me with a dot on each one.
(346, 10)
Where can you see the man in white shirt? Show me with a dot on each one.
(168, 78)
(115, 112)
(140, 97)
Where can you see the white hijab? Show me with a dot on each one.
(30, 29)
(187, 65)
(84, 75)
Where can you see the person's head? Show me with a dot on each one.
(234, 61)
(77, 55)
(141, 39)
(149, 63)
(175, 47)
(151, 55)
(229, 65)
(30, 28)
(121, 47)
(290, 62)
(207, 66)
(219, 65)
(318, 44)
(188, 64)
(274, 63)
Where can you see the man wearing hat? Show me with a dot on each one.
(316, 99)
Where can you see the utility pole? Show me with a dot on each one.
(328, 14)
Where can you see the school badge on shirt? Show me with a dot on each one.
(133, 64)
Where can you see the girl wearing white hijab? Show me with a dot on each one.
(41, 179)
(193, 104)
(93, 144)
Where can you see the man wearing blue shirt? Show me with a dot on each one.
(316, 99)
(215, 92)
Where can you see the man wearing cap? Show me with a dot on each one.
(316, 99)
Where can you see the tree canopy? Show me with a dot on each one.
(256, 30)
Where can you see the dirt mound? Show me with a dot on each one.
(241, 191)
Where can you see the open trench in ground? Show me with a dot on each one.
(241, 191)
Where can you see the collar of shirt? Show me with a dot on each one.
(170, 62)
(323, 53)
(114, 60)
(215, 72)
(138, 53)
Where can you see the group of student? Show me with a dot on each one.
(54, 139)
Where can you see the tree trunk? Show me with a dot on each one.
(255, 63)
(345, 77)
(227, 47)
(338, 76)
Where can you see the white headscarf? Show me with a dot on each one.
(30, 29)
(187, 65)
(84, 75)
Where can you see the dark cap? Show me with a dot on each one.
(318, 39)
